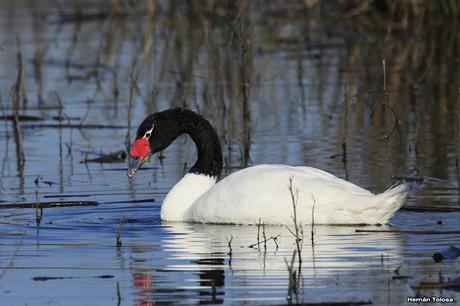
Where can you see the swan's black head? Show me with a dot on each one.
(154, 134)
(158, 130)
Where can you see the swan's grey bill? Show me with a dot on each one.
(134, 165)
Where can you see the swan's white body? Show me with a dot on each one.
(262, 193)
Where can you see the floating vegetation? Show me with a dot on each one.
(48, 278)
(42, 205)
(114, 157)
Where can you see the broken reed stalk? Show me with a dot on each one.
(80, 126)
(38, 209)
(38, 74)
(345, 135)
(133, 88)
(50, 204)
(298, 230)
(21, 86)
(4, 116)
(118, 294)
(120, 231)
(59, 101)
(243, 35)
(258, 231)
(230, 251)
(385, 97)
(229, 243)
(116, 91)
(385, 106)
(61, 164)
(265, 236)
(293, 279)
(274, 238)
(70, 143)
(313, 221)
(16, 98)
(130, 107)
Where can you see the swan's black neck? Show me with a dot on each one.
(207, 142)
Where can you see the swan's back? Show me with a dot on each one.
(262, 192)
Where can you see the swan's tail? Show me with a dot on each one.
(389, 202)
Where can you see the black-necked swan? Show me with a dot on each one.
(254, 194)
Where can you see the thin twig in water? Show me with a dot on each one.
(230, 251)
(16, 97)
(4, 116)
(118, 294)
(80, 126)
(49, 204)
(38, 73)
(258, 231)
(120, 231)
(293, 280)
(61, 163)
(229, 243)
(313, 221)
(265, 236)
(275, 240)
(298, 230)
(70, 144)
(133, 89)
(38, 209)
(264, 241)
(345, 135)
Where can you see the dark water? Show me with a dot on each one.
(281, 84)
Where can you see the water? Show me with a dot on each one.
(301, 76)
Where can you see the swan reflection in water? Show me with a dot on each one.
(215, 263)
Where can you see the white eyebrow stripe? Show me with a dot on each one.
(149, 131)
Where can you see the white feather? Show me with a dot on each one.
(179, 199)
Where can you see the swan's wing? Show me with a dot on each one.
(263, 192)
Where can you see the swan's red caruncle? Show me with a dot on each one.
(140, 148)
